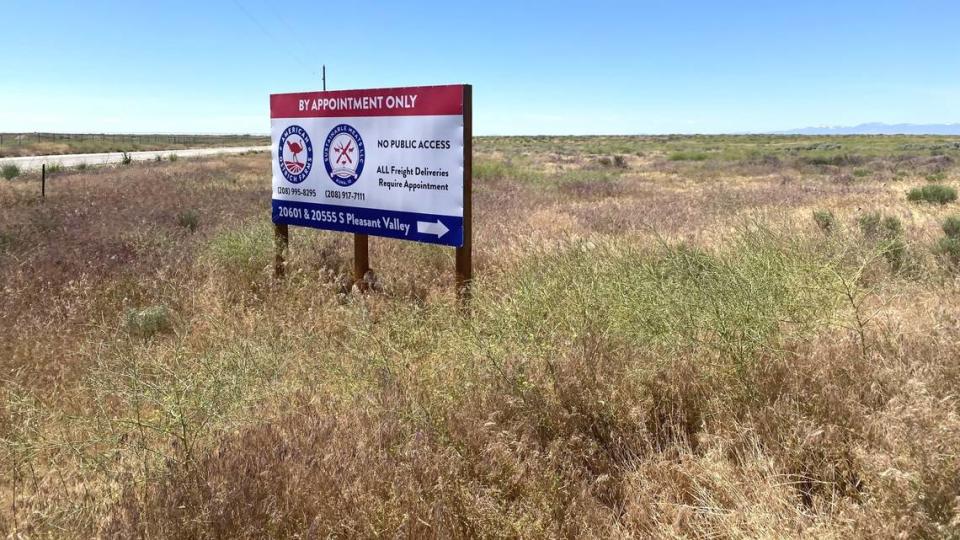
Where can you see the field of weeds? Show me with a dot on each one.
(669, 336)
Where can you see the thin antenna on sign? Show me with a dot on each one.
(324, 77)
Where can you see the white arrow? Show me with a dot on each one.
(429, 227)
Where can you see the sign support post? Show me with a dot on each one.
(281, 239)
(464, 270)
(361, 260)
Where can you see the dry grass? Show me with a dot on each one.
(657, 348)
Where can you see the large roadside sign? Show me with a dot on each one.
(383, 162)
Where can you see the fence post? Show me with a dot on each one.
(43, 181)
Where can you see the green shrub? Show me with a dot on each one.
(158, 158)
(933, 193)
(10, 171)
(895, 251)
(951, 227)
(673, 297)
(126, 159)
(948, 248)
(870, 224)
(485, 169)
(687, 156)
(54, 168)
(861, 173)
(82, 166)
(189, 219)
(617, 161)
(149, 321)
(172, 157)
(825, 220)
(241, 253)
(889, 230)
(936, 177)
(892, 227)
(6, 241)
(839, 160)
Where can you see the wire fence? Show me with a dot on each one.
(132, 140)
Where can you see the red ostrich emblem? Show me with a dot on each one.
(294, 166)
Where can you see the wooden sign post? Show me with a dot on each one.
(281, 240)
(361, 260)
(465, 252)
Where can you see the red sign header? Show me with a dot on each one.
(412, 101)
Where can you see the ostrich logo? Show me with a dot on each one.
(295, 154)
(344, 155)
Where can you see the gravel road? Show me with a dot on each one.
(72, 160)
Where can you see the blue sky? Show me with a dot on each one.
(537, 67)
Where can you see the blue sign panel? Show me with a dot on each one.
(430, 229)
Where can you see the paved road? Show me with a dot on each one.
(72, 160)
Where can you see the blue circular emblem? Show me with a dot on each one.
(295, 154)
(343, 155)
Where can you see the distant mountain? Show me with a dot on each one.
(876, 128)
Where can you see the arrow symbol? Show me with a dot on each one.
(429, 227)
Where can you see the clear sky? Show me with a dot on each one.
(537, 67)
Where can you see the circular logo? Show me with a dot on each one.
(343, 155)
(295, 154)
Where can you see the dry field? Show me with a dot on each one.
(670, 337)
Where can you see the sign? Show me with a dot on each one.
(384, 162)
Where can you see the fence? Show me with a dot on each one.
(132, 141)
